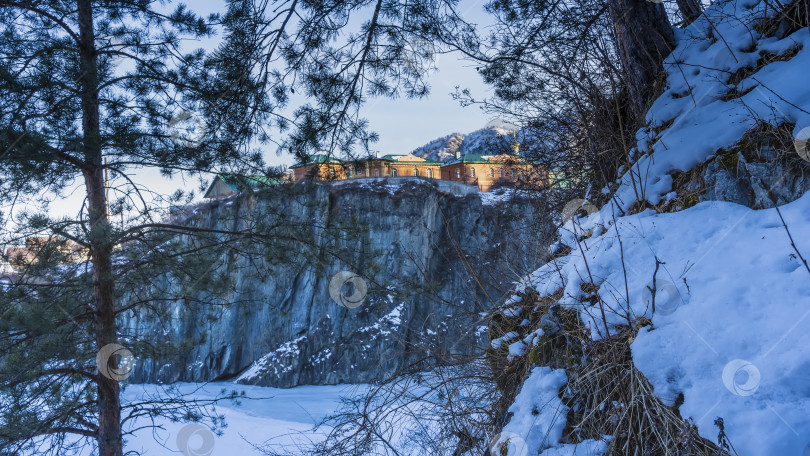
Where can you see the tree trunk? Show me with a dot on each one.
(690, 10)
(109, 404)
(644, 37)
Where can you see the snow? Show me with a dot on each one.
(385, 324)
(702, 123)
(517, 349)
(282, 419)
(511, 312)
(584, 448)
(496, 196)
(736, 291)
(274, 360)
(538, 415)
(506, 338)
(730, 329)
(483, 141)
(505, 195)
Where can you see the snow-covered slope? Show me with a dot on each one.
(730, 331)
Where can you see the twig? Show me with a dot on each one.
(792, 243)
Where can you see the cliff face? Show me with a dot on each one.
(414, 246)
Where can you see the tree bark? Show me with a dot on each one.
(109, 404)
(690, 10)
(644, 37)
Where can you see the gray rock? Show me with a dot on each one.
(783, 175)
(284, 330)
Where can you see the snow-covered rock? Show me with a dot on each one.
(730, 331)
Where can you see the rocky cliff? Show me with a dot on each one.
(432, 262)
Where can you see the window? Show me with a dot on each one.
(376, 173)
(349, 172)
(393, 172)
(458, 173)
(513, 173)
(366, 171)
(491, 172)
(472, 171)
(429, 173)
(500, 172)
(415, 172)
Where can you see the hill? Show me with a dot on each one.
(486, 141)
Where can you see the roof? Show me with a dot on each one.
(318, 159)
(409, 158)
(237, 183)
(488, 159)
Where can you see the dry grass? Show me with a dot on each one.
(753, 144)
(606, 394)
(735, 93)
(612, 397)
(509, 374)
(765, 58)
(789, 19)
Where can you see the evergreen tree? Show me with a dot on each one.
(95, 91)
(92, 92)
(340, 54)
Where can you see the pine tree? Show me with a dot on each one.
(92, 92)
(690, 10)
(644, 38)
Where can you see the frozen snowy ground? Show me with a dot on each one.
(282, 417)
(731, 329)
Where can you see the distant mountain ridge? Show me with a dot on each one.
(486, 141)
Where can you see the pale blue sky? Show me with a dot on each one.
(402, 124)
